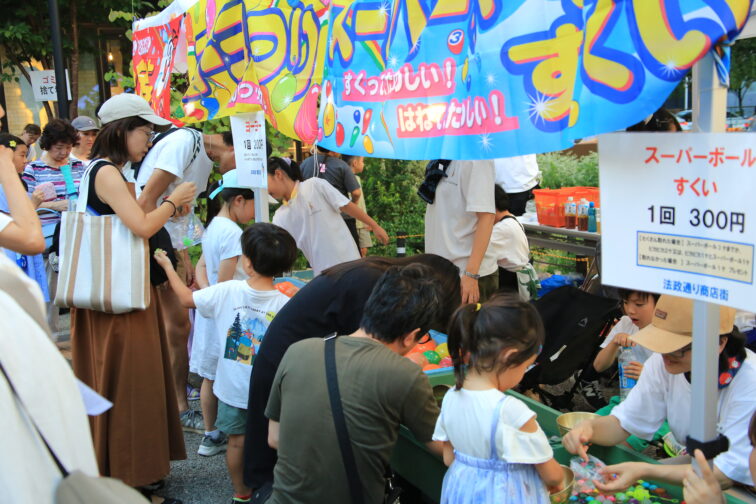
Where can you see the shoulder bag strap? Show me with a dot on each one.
(515, 219)
(58, 463)
(353, 477)
(82, 203)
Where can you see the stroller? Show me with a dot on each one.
(575, 324)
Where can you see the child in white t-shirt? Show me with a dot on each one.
(310, 212)
(220, 262)
(496, 450)
(638, 307)
(241, 311)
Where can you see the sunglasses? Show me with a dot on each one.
(679, 354)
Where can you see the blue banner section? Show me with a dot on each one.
(481, 79)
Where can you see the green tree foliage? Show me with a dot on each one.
(566, 170)
(742, 69)
(390, 189)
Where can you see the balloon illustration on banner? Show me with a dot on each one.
(422, 79)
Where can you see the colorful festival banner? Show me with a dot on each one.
(247, 55)
(424, 79)
(155, 41)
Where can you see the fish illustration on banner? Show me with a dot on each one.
(258, 54)
(425, 79)
(153, 56)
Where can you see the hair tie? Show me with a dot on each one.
(477, 306)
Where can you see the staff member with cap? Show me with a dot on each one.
(663, 393)
(87, 129)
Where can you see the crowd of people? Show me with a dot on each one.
(305, 394)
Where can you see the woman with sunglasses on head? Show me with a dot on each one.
(124, 357)
(663, 392)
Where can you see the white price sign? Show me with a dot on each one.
(678, 214)
(248, 131)
(44, 87)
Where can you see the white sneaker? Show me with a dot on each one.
(209, 446)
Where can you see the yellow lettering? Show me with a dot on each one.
(602, 70)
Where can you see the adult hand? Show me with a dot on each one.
(577, 440)
(162, 259)
(380, 234)
(183, 194)
(60, 206)
(38, 197)
(633, 370)
(702, 489)
(619, 477)
(470, 290)
(623, 339)
(6, 159)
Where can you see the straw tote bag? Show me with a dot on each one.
(103, 265)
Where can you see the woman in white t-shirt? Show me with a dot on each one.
(220, 261)
(310, 212)
(663, 393)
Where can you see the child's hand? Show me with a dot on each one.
(633, 370)
(623, 339)
(556, 488)
(162, 259)
(702, 489)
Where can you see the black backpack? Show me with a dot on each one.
(575, 323)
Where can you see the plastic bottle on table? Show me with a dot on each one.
(591, 217)
(625, 383)
(570, 211)
(582, 215)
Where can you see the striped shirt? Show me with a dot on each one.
(38, 172)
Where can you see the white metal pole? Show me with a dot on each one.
(709, 105)
(262, 207)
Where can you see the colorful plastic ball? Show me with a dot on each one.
(424, 347)
(432, 356)
(445, 362)
(430, 367)
(443, 350)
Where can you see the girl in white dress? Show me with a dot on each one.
(496, 450)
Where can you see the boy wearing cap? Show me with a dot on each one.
(87, 129)
(241, 311)
(663, 392)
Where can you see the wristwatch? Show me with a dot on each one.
(471, 275)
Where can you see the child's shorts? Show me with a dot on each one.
(231, 420)
(205, 349)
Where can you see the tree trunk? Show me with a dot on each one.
(73, 106)
(17, 64)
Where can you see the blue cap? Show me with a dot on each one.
(229, 181)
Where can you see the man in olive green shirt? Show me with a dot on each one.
(379, 391)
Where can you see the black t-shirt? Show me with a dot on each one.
(323, 306)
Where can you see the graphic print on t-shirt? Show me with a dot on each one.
(245, 335)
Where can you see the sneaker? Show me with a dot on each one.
(591, 392)
(192, 394)
(209, 446)
(192, 421)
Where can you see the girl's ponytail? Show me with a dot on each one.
(462, 339)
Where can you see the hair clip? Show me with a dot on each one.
(286, 160)
(477, 306)
(12, 144)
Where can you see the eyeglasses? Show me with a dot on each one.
(679, 354)
(425, 339)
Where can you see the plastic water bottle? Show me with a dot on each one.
(570, 214)
(625, 383)
(591, 217)
(71, 193)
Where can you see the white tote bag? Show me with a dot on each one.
(103, 265)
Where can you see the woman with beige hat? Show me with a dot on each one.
(663, 393)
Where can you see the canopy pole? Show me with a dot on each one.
(709, 106)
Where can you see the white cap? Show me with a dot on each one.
(129, 105)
